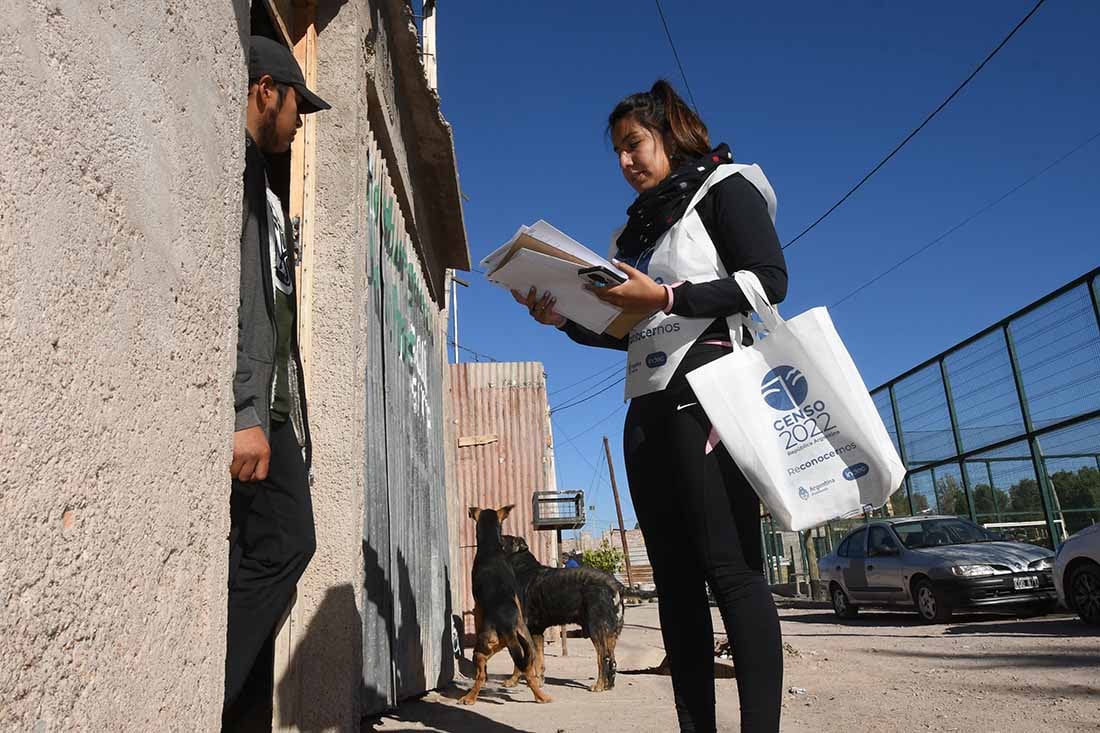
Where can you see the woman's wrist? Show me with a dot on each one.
(670, 297)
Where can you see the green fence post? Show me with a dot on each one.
(958, 436)
(764, 549)
(1033, 444)
(901, 448)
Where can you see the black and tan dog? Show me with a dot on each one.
(498, 610)
(585, 596)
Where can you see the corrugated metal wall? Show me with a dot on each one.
(503, 453)
(640, 570)
(407, 600)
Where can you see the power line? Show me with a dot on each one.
(471, 351)
(603, 371)
(591, 497)
(575, 447)
(581, 400)
(601, 421)
(965, 221)
(920, 127)
(677, 56)
(586, 392)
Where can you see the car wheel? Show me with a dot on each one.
(930, 603)
(842, 606)
(1084, 589)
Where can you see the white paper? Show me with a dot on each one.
(548, 274)
(546, 233)
(492, 260)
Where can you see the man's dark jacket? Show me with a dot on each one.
(256, 330)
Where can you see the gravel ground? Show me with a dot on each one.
(881, 672)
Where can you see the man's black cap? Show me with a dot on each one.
(271, 58)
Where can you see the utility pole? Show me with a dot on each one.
(427, 42)
(619, 511)
(562, 629)
(455, 282)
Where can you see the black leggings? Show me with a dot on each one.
(701, 523)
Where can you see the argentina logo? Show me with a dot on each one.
(784, 388)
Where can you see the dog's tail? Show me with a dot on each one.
(513, 631)
(620, 603)
(520, 648)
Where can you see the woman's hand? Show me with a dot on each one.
(541, 309)
(639, 294)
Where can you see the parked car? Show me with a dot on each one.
(1077, 574)
(936, 564)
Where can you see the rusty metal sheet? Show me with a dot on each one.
(507, 400)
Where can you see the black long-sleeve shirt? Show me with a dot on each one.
(735, 215)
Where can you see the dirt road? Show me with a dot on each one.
(882, 672)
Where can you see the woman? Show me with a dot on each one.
(697, 220)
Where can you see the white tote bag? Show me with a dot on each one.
(794, 413)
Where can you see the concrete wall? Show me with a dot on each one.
(337, 618)
(120, 169)
(320, 689)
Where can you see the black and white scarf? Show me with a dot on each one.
(656, 210)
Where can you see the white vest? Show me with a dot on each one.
(685, 252)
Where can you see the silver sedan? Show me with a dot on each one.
(936, 564)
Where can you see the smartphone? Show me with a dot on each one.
(602, 277)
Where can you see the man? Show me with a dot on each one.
(271, 536)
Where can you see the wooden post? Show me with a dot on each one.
(300, 30)
(619, 511)
(561, 629)
(813, 576)
(303, 153)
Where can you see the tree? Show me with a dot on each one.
(605, 557)
(951, 496)
(1078, 490)
(990, 502)
(1023, 497)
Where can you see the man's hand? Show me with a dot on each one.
(251, 455)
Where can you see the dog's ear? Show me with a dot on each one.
(521, 544)
(504, 511)
(474, 513)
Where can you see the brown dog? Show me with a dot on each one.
(498, 612)
(555, 596)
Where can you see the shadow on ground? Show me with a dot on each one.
(987, 625)
(1059, 627)
(1056, 657)
(444, 714)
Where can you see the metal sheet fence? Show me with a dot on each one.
(503, 455)
(1004, 428)
(407, 574)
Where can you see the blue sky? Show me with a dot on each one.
(816, 93)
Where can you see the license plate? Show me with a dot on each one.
(1026, 583)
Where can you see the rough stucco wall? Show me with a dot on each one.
(120, 171)
(324, 678)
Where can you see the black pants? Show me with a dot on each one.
(271, 542)
(701, 523)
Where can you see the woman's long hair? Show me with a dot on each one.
(664, 112)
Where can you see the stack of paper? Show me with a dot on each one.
(544, 258)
